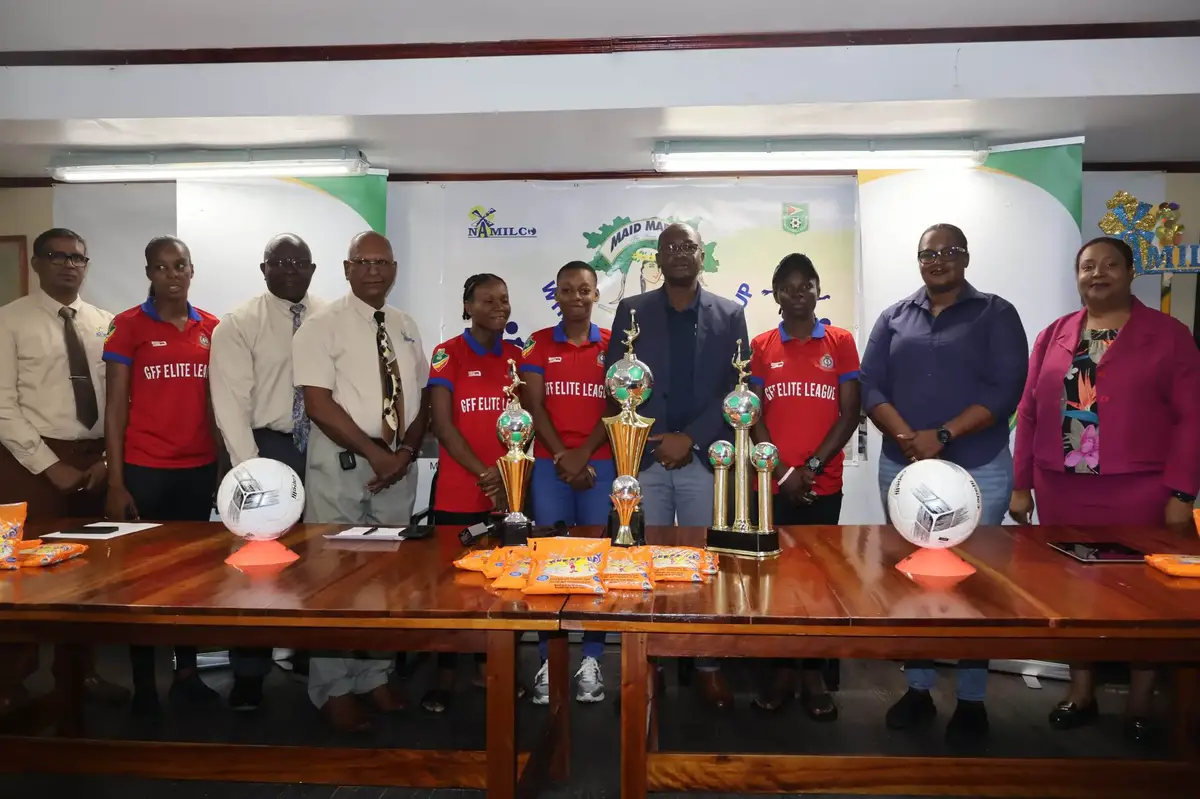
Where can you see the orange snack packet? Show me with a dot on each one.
(516, 569)
(474, 560)
(567, 565)
(49, 554)
(712, 562)
(628, 569)
(679, 564)
(12, 527)
(499, 558)
(1176, 565)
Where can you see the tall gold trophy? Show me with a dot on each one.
(629, 382)
(514, 428)
(742, 409)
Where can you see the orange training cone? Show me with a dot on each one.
(262, 553)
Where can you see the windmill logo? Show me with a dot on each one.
(483, 225)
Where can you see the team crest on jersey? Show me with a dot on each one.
(440, 359)
(528, 348)
(827, 361)
(204, 342)
(112, 328)
(600, 359)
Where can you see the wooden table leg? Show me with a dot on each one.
(71, 663)
(1185, 720)
(501, 714)
(560, 707)
(635, 702)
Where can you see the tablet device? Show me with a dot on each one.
(1099, 552)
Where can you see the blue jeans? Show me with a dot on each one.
(995, 481)
(555, 501)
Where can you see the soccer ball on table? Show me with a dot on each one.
(934, 504)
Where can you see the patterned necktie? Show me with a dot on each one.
(300, 421)
(86, 409)
(389, 373)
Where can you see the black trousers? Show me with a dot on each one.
(826, 509)
(168, 495)
(447, 660)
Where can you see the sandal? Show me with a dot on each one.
(818, 706)
(780, 693)
(437, 700)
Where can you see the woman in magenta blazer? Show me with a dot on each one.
(1134, 373)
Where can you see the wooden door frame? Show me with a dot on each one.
(22, 243)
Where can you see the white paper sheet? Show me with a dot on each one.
(123, 528)
(370, 534)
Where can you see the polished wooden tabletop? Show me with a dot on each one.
(832, 577)
(179, 569)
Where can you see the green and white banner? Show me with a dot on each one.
(227, 223)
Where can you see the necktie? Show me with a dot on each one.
(389, 372)
(300, 421)
(86, 410)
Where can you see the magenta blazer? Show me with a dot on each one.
(1149, 388)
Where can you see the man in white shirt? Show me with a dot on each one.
(52, 414)
(259, 412)
(363, 370)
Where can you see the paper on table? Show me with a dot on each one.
(370, 534)
(123, 528)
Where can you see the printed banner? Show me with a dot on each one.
(524, 231)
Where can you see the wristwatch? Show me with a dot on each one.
(1188, 498)
(944, 436)
(814, 465)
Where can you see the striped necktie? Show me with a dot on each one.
(300, 421)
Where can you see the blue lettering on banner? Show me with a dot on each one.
(743, 295)
(549, 290)
(483, 226)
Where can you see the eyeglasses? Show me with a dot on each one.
(947, 254)
(60, 258)
(297, 264)
(681, 247)
(367, 263)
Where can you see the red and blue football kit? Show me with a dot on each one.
(476, 378)
(169, 424)
(800, 381)
(574, 379)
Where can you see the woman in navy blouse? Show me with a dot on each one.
(942, 374)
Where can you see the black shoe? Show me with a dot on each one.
(144, 702)
(191, 690)
(300, 664)
(969, 723)
(1137, 729)
(913, 709)
(246, 694)
(1069, 715)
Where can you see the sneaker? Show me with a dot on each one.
(913, 709)
(589, 682)
(191, 690)
(541, 686)
(246, 694)
(969, 723)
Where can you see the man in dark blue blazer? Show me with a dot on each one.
(688, 339)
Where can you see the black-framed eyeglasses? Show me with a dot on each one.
(296, 264)
(947, 254)
(59, 258)
(367, 263)
(684, 247)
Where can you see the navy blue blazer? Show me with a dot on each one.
(719, 325)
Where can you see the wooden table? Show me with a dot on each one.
(170, 586)
(834, 593)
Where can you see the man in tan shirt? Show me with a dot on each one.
(259, 412)
(52, 413)
(363, 370)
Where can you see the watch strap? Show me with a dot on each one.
(1184, 497)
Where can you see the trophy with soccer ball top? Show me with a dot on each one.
(514, 428)
(629, 382)
(742, 409)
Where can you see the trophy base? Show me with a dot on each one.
(637, 526)
(511, 534)
(744, 545)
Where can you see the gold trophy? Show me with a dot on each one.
(742, 409)
(514, 428)
(629, 382)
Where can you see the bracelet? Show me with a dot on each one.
(406, 448)
(786, 475)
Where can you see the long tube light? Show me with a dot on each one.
(815, 155)
(98, 167)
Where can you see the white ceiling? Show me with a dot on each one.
(1117, 129)
(179, 24)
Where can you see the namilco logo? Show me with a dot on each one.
(626, 244)
(485, 226)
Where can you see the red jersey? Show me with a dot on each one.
(169, 425)
(476, 379)
(800, 381)
(574, 375)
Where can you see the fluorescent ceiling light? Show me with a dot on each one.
(194, 164)
(812, 155)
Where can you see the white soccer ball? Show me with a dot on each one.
(260, 499)
(934, 504)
